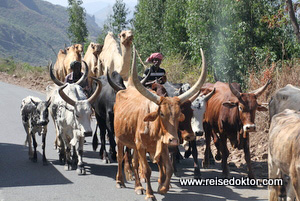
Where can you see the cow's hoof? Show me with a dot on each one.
(150, 198)
(197, 174)
(34, 159)
(162, 190)
(218, 157)
(205, 164)
(177, 174)
(120, 185)
(81, 171)
(140, 191)
(45, 163)
(68, 167)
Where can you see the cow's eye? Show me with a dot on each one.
(240, 108)
(162, 115)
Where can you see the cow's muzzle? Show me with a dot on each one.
(250, 128)
(173, 142)
(199, 133)
(88, 134)
(43, 123)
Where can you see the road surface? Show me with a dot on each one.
(21, 179)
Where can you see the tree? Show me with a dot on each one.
(77, 30)
(116, 22)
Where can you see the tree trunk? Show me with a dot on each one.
(294, 22)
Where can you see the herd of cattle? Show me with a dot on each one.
(139, 120)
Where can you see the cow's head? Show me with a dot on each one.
(247, 105)
(126, 37)
(41, 113)
(82, 109)
(168, 113)
(199, 108)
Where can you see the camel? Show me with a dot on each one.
(59, 70)
(111, 58)
(91, 58)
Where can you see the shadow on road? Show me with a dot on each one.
(18, 170)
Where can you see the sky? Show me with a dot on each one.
(85, 2)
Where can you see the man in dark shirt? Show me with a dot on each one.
(75, 75)
(157, 74)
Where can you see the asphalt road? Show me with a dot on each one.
(21, 179)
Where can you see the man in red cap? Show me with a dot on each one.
(157, 74)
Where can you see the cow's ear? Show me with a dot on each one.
(151, 116)
(262, 108)
(181, 117)
(229, 104)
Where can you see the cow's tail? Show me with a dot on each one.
(95, 139)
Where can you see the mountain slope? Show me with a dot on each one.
(29, 27)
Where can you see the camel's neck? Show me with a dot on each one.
(126, 57)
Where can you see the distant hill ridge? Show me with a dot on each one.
(28, 27)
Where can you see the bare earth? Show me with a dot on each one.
(258, 140)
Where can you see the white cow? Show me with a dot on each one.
(71, 111)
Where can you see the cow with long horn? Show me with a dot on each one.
(71, 111)
(147, 122)
(230, 114)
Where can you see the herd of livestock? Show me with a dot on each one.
(139, 120)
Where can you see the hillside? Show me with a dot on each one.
(28, 27)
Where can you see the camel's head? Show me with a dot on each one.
(78, 48)
(126, 37)
(96, 48)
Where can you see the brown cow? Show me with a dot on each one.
(147, 122)
(59, 70)
(91, 58)
(284, 154)
(73, 54)
(230, 114)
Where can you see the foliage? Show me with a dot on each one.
(233, 34)
(116, 22)
(77, 30)
(10, 66)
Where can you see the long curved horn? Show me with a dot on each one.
(53, 78)
(64, 96)
(209, 95)
(260, 90)
(234, 91)
(136, 82)
(194, 96)
(85, 74)
(93, 97)
(111, 83)
(185, 96)
(143, 81)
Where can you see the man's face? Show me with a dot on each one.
(77, 69)
(156, 62)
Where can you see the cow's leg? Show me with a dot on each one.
(61, 151)
(225, 154)
(173, 153)
(119, 177)
(102, 153)
(34, 158)
(168, 171)
(68, 161)
(147, 170)
(111, 137)
(248, 157)
(127, 165)
(207, 151)
(44, 147)
(197, 172)
(80, 165)
(162, 172)
(188, 152)
(273, 172)
(139, 190)
(28, 140)
(294, 178)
